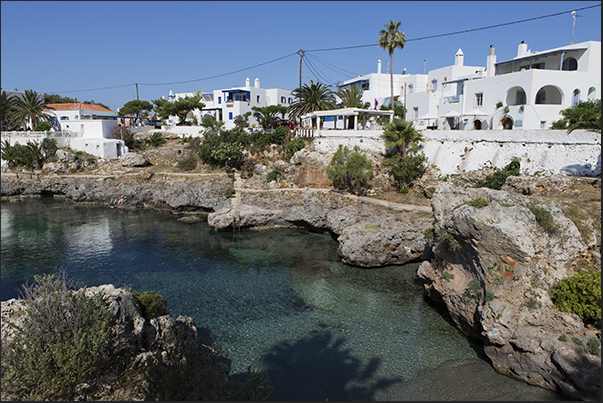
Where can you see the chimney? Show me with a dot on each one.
(459, 58)
(379, 66)
(490, 62)
(522, 49)
(257, 83)
(247, 82)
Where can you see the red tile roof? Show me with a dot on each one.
(74, 106)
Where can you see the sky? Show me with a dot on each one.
(99, 51)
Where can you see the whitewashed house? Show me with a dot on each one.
(377, 89)
(526, 92)
(92, 127)
(226, 104)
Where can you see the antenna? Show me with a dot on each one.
(574, 26)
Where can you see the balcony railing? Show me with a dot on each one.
(455, 99)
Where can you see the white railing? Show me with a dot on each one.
(42, 135)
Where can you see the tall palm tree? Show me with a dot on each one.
(351, 97)
(311, 98)
(391, 39)
(401, 135)
(32, 108)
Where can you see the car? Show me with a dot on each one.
(156, 123)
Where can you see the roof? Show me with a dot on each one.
(79, 105)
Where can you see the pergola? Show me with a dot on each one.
(352, 115)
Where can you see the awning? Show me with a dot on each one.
(476, 112)
(427, 116)
(451, 114)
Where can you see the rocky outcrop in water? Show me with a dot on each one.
(204, 193)
(369, 235)
(493, 267)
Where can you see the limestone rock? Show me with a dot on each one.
(135, 160)
(493, 268)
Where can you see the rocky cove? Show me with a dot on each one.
(500, 244)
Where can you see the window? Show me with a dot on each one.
(410, 88)
(219, 100)
(229, 115)
(479, 99)
(434, 85)
(282, 100)
(415, 113)
(258, 99)
(64, 117)
(289, 100)
(520, 97)
(543, 124)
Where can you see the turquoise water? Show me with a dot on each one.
(277, 300)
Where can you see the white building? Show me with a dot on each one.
(226, 104)
(526, 92)
(92, 126)
(377, 88)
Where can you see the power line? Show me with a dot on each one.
(462, 32)
(224, 74)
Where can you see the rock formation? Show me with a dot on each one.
(493, 267)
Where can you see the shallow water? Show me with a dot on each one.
(277, 300)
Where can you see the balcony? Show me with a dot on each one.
(455, 99)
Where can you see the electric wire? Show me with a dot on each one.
(461, 32)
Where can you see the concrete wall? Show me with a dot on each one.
(454, 151)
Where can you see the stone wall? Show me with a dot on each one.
(454, 151)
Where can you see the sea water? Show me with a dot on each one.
(276, 300)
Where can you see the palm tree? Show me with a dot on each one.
(351, 97)
(7, 113)
(311, 98)
(401, 135)
(391, 39)
(32, 108)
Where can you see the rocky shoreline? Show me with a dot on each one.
(500, 245)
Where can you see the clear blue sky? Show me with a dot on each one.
(65, 47)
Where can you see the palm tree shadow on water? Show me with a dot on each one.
(320, 367)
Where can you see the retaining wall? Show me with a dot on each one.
(452, 151)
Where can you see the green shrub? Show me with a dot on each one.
(497, 179)
(349, 169)
(531, 304)
(151, 304)
(43, 126)
(188, 164)
(447, 276)
(406, 169)
(193, 142)
(580, 294)
(594, 346)
(544, 218)
(156, 139)
(230, 192)
(478, 203)
(563, 338)
(578, 342)
(478, 224)
(473, 287)
(295, 145)
(275, 175)
(489, 296)
(220, 150)
(61, 344)
(447, 238)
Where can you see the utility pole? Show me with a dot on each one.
(301, 54)
(137, 92)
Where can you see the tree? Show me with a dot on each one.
(57, 99)
(391, 39)
(240, 121)
(401, 135)
(8, 111)
(211, 123)
(586, 115)
(350, 169)
(351, 97)
(135, 108)
(311, 98)
(32, 108)
(268, 115)
(180, 107)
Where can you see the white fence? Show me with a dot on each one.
(63, 138)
